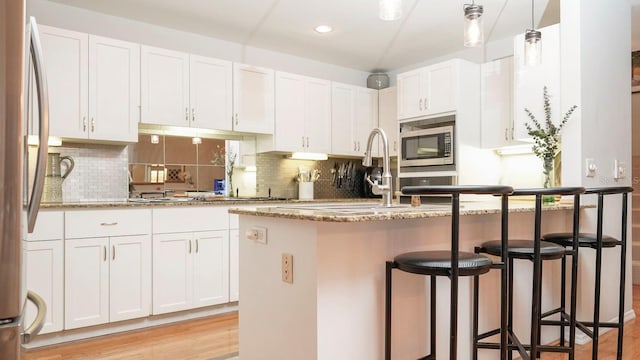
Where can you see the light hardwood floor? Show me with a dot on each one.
(217, 336)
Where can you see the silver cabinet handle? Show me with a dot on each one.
(84, 123)
(37, 324)
(43, 110)
(420, 104)
(104, 257)
(307, 142)
(355, 146)
(197, 245)
(303, 141)
(189, 246)
(506, 134)
(512, 133)
(426, 104)
(186, 114)
(395, 145)
(236, 118)
(358, 145)
(93, 125)
(109, 224)
(193, 114)
(113, 253)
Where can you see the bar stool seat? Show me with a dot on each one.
(439, 263)
(524, 249)
(584, 240)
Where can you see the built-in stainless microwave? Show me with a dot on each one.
(421, 145)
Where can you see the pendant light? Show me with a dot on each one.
(390, 10)
(473, 25)
(532, 44)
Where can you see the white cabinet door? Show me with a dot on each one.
(317, 115)
(343, 118)
(114, 89)
(441, 88)
(410, 93)
(497, 103)
(234, 265)
(290, 112)
(253, 99)
(65, 54)
(529, 81)
(388, 118)
(366, 119)
(86, 282)
(164, 86)
(172, 272)
(211, 93)
(129, 277)
(211, 268)
(43, 263)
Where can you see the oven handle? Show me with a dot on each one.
(428, 131)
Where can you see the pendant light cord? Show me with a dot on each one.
(532, 10)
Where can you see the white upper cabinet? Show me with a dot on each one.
(354, 113)
(388, 118)
(165, 86)
(185, 90)
(253, 99)
(427, 91)
(93, 85)
(303, 115)
(210, 93)
(114, 89)
(497, 103)
(529, 81)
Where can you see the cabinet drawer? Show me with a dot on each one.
(96, 223)
(190, 219)
(49, 225)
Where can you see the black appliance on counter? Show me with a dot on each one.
(375, 173)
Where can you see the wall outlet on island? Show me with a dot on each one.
(287, 268)
(619, 169)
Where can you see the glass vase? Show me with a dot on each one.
(548, 178)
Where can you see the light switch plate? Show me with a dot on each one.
(590, 166)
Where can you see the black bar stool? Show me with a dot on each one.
(535, 251)
(451, 263)
(597, 242)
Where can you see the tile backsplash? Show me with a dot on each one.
(100, 172)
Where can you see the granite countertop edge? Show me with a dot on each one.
(124, 203)
(329, 216)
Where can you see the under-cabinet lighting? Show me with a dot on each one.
(196, 140)
(155, 139)
(308, 156)
(53, 140)
(515, 150)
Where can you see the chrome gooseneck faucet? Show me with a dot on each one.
(385, 188)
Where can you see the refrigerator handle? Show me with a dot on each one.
(43, 111)
(37, 324)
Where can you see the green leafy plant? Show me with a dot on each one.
(546, 139)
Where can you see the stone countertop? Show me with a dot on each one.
(364, 212)
(137, 203)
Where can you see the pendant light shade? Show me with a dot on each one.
(390, 9)
(532, 43)
(532, 47)
(473, 25)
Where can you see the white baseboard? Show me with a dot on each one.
(128, 325)
(582, 338)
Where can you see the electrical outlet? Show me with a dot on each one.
(287, 268)
(257, 234)
(619, 169)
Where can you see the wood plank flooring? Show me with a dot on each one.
(212, 337)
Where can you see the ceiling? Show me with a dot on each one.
(427, 29)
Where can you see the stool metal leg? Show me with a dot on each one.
(537, 275)
(474, 325)
(596, 300)
(574, 278)
(510, 303)
(563, 288)
(623, 270)
(387, 317)
(432, 319)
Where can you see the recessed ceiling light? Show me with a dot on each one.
(323, 29)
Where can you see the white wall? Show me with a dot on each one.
(596, 46)
(73, 18)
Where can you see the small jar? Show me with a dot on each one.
(415, 200)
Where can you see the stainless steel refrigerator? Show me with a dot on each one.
(19, 200)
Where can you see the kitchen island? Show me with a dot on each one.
(334, 307)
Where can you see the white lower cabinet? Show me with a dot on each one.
(44, 263)
(190, 270)
(107, 266)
